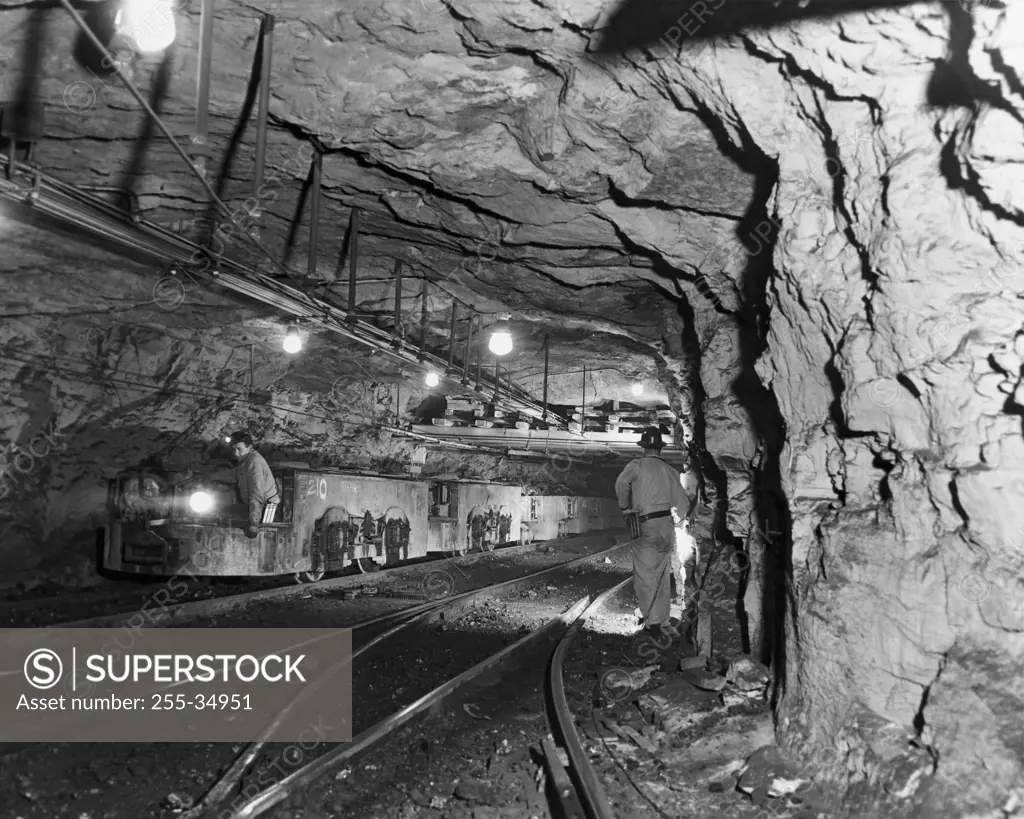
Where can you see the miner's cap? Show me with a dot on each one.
(652, 438)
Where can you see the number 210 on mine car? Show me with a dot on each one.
(163, 523)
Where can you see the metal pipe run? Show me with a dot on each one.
(314, 216)
(451, 335)
(353, 258)
(133, 198)
(224, 209)
(263, 111)
(148, 242)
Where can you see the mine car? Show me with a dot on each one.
(165, 523)
(467, 516)
(552, 516)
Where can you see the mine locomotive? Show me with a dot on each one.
(166, 523)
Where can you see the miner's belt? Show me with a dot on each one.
(654, 515)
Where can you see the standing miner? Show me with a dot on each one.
(651, 489)
(257, 488)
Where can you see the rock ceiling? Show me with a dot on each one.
(490, 148)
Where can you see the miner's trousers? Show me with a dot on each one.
(652, 569)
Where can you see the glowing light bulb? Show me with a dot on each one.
(149, 24)
(500, 343)
(292, 342)
(432, 380)
(501, 338)
(638, 388)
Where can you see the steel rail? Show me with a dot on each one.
(222, 788)
(324, 764)
(588, 786)
(200, 608)
(405, 617)
(62, 201)
(408, 617)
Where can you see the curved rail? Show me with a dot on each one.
(166, 614)
(406, 618)
(589, 792)
(324, 764)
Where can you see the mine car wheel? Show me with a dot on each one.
(309, 577)
(366, 565)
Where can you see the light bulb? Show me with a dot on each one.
(500, 343)
(638, 388)
(149, 24)
(292, 342)
(432, 380)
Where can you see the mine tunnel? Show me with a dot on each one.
(449, 409)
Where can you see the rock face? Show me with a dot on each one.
(807, 225)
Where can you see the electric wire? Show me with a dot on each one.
(109, 59)
(106, 379)
(232, 396)
(515, 394)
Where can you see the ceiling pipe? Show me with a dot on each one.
(351, 317)
(133, 198)
(109, 59)
(263, 110)
(147, 242)
(498, 451)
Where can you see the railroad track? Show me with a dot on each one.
(212, 802)
(163, 614)
(578, 788)
(446, 599)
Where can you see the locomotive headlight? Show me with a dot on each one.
(201, 502)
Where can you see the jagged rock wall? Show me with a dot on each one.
(894, 355)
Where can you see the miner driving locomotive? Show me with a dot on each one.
(257, 493)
